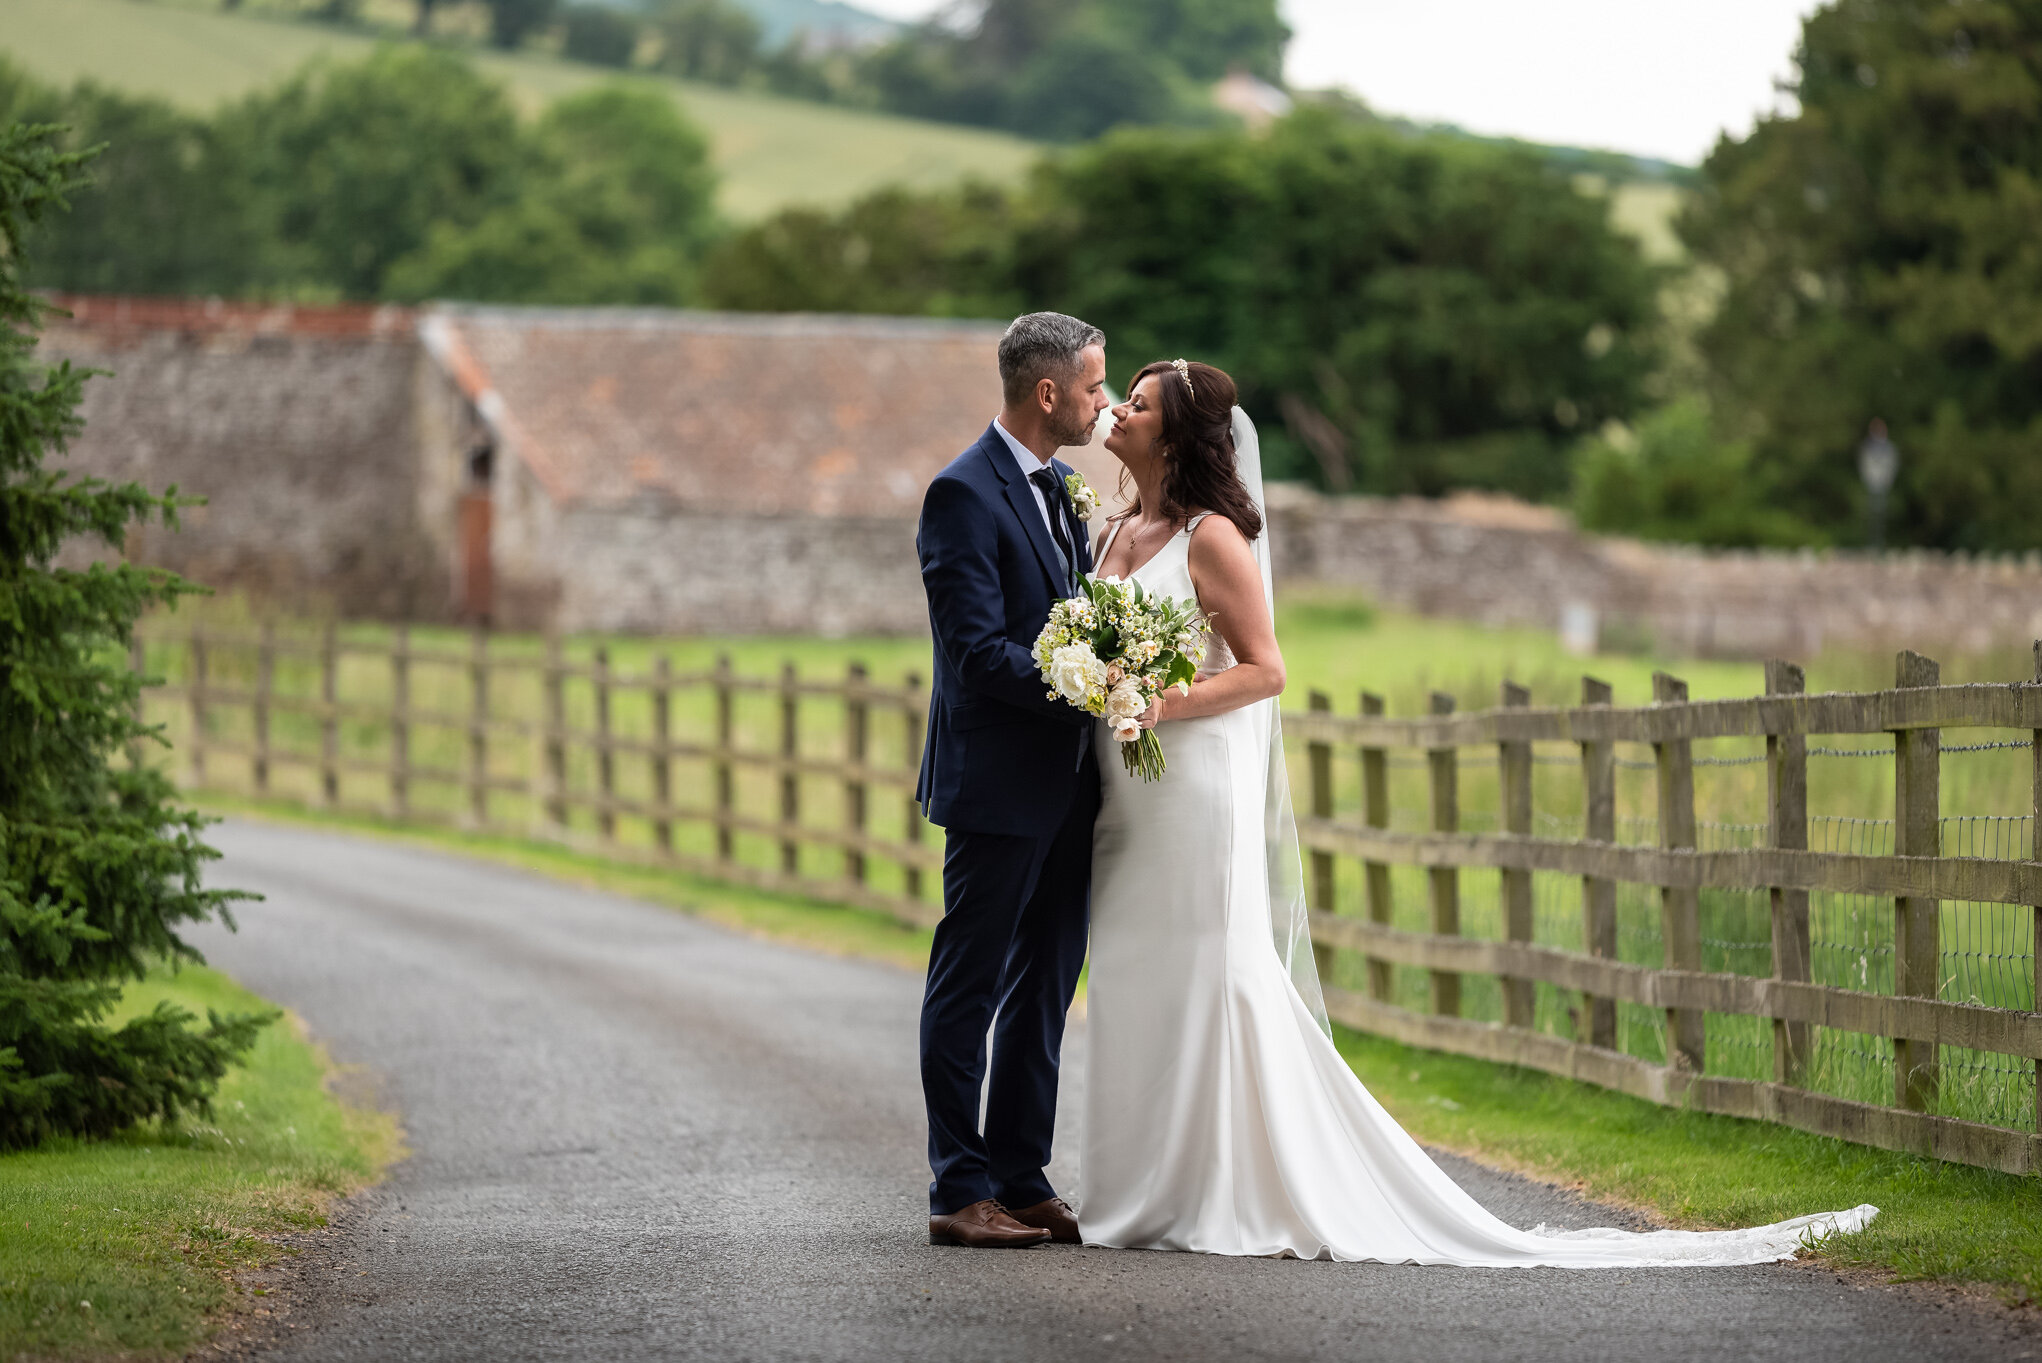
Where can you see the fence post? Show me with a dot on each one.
(1515, 757)
(265, 681)
(400, 721)
(2035, 852)
(856, 713)
(1319, 756)
(790, 777)
(914, 714)
(197, 747)
(1375, 812)
(1917, 950)
(726, 776)
(606, 764)
(1680, 906)
(662, 757)
(1446, 882)
(1599, 895)
(1787, 827)
(478, 726)
(329, 715)
(553, 738)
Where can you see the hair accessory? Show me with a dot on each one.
(1184, 373)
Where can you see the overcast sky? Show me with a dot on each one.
(1654, 77)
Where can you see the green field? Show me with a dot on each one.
(771, 151)
(132, 1244)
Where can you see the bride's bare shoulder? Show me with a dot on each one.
(1216, 538)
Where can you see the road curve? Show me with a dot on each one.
(639, 1136)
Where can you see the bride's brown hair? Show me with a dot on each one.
(1199, 472)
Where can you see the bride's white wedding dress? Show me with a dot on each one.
(1218, 1117)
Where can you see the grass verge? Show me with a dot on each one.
(1938, 1222)
(131, 1246)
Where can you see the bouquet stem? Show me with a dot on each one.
(1144, 756)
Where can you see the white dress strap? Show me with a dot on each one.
(1192, 524)
(1099, 554)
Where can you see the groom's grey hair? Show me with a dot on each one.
(1042, 345)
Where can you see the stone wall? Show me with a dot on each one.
(644, 570)
(1503, 562)
(298, 427)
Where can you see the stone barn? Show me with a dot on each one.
(656, 470)
(613, 469)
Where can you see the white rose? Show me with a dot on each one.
(1075, 671)
(1124, 702)
(1126, 730)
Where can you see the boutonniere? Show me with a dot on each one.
(1084, 501)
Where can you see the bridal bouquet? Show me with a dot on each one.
(1113, 650)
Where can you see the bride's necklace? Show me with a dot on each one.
(1134, 542)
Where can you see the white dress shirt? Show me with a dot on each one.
(1025, 457)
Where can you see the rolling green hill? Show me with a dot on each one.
(772, 152)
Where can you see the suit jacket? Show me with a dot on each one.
(1001, 756)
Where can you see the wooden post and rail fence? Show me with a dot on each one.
(538, 773)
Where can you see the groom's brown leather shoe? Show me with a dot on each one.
(984, 1225)
(1054, 1216)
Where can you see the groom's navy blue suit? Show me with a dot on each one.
(1010, 776)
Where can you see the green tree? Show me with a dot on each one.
(513, 21)
(1675, 478)
(1085, 83)
(98, 867)
(344, 169)
(618, 208)
(599, 35)
(941, 253)
(1422, 313)
(150, 220)
(1881, 259)
(1207, 38)
(710, 40)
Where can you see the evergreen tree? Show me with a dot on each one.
(98, 867)
(1879, 253)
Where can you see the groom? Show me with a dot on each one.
(1009, 774)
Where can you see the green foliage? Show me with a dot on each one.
(1085, 83)
(1422, 313)
(345, 168)
(1676, 479)
(97, 867)
(712, 40)
(1881, 259)
(599, 35)
(621, 207)
(512, 21)
(405, 175)
(1068, 70)
(946, 253)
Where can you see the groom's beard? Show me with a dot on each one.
(1071, 428)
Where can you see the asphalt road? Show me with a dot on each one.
(638, 1136)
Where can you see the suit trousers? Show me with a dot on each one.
(1006, 956)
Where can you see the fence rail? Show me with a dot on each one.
(1444, 923)
(1920, 1027)
(563, 764)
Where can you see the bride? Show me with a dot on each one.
(1218, 1117)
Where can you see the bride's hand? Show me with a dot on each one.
(1152, 716)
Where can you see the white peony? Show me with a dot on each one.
(1124, 702)
(1075, 671)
